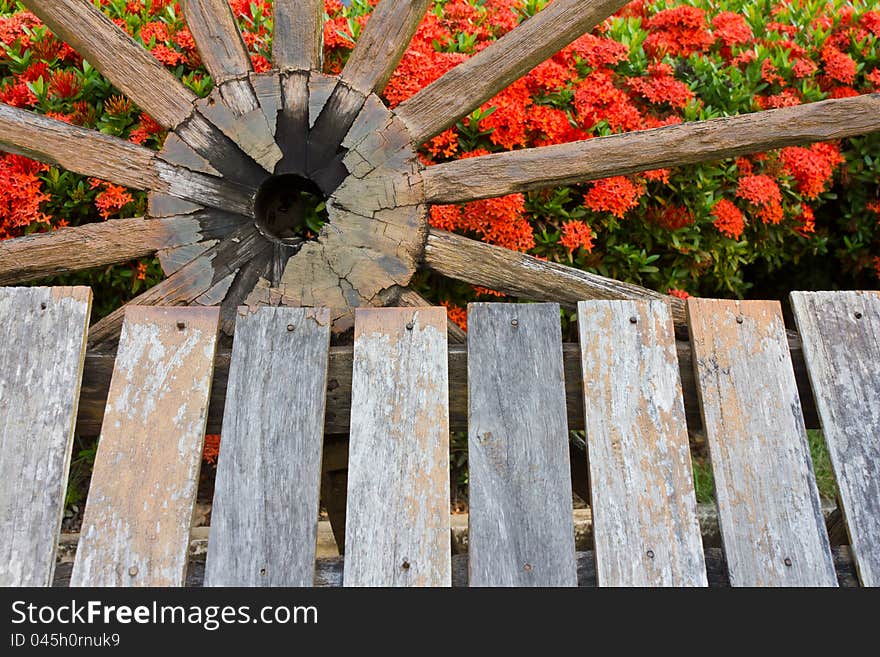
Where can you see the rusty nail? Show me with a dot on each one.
(290, 327)
(133, 571)
(528, 568)
(788, 561)
(409, 326)
(515, 322)
(181, 325)
(633, 319)
(263, 572)
(650, 554)
(43, 306)
(739, 320)
(405, 565)
(858, 315)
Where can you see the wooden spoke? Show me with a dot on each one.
(471, 83)
(84, 151)
(217, 38)
(534, 168)
(382, 43)
(125, 63)
(91, 245)
(213, 267)
(298, 40)
(525, 276)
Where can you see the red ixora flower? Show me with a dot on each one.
(672, 217)
(677, 31)
(811, 167)
(763, 193)
(838, 65)
(732, 28)
(112, 200)
(729, 219)
(577, 235)
(616, 195)
(64, 84)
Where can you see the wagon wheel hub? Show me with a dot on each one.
(331, 220)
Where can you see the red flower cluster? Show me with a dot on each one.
(763, 194)
(22, 195)
(729, 219)
(576, 235)
(616, 195)
(812, 167)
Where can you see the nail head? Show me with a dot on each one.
(633, 319)
(405, 565)
(133, 571)
(514, 322)
(290, 327)
(409, 326)
(650, 554)
(788, 561)
(181, 325)
(858, 315)
(528, 568)
(739, 320)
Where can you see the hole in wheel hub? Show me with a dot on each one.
(290, 209)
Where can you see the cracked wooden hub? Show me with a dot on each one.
(294, 140)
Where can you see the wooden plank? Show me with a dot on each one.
(99, 366)
(42, 350)
(382, 42)
(473, 82)
(641, 480)
(264, 520)
(616, 155)
(136, 524)
(129, 66)
(218, 38)
(397, 526)
(521, 530)
(841, 339)
(298, 38)
(768, 505)
(525, 276)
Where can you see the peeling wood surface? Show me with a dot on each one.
(127, 64)
(217, 38)
(99, 366)
(84, 151)
(641, 480)
(382, 42)
(768, 504)
(137, 520)
(525, 276)
(615, 155)
(397, 526)
(42, 350)
(189, 282)
(471, 83)
(409, 298)
(841, 338)
(264, 520)
(521, 530)
(298, 39)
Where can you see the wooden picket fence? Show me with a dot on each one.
(136, 525)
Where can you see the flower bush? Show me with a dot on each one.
(758, 225)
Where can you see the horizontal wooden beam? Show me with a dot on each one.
(99, 367)
(689, 143)
(527, 277)
(473, 82)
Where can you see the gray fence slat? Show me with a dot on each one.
(264, 520)
(397, 525)
(137, 519)
(840, 332)
(521, 526)
(768, 505)
(42, 351)
(641, 479)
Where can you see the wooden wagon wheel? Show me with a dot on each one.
(223, 191)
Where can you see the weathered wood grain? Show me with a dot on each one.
(473, 82)
(292, 132)
(137, 519)
(298, 38)
(382, 42)
(224, 155)
(331, 126)
(641, 481)
(525, 276)
(841, 337)
(521, 531)
(768, 505)
(77, 149)
(189, 282)
(397, 525)
(264, 520)
(91, 245)
(128, 65)
(688, 143)
(409, 298)
(99, 366)
(217, 38)
(42, 350)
